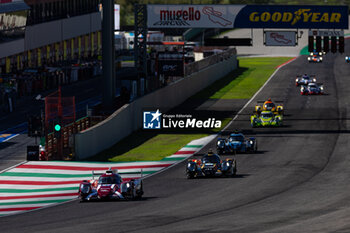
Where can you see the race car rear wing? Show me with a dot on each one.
(311, 76)
(115, 171)
(263, 101)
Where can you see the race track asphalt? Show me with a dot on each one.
(299, 181)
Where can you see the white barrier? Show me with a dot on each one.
(129, 118)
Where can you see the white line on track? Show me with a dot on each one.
(251, 99)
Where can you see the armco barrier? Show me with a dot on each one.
(129, 118)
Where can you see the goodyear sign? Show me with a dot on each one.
(247, 16)
(257, 16)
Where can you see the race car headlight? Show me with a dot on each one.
(127, 185)
(321, 58)
(227, 164)
(314, 80)
(320, 53)
(346, 58)
(251, 142)
(309, 58)
(296, 80)
(321, 88)
(311, 54)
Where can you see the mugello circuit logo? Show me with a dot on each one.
(303, 15)
(157, 120)
(183, 17)
(280, 38)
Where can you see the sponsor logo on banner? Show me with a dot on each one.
(289, 16)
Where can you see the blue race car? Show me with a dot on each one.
(236, 143)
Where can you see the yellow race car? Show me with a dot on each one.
(266, 119)
(268, 105)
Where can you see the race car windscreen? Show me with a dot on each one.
(236, 138)
(109, 180)
(211, 159)
(267, 115)
(269, 105)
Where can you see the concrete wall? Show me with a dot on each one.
(11, 48)
(129, 118)
(51, 32)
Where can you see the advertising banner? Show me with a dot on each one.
(280, 38)
(192, 16)
(170, 63)
(292, 16)
(247, 16)
(171, 67)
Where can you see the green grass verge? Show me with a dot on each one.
(150, 145)
(244, 81)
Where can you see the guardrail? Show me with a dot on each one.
(208, 61)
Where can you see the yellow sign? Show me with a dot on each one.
(302, 14)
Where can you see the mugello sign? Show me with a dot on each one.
(247, 16)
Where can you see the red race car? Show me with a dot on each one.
(110, 186)
(312, 89)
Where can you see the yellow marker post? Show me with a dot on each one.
(8, 65)
(48, 52)
(79, 45)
